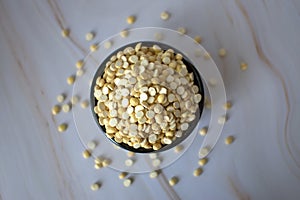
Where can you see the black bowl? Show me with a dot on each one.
(190, 68)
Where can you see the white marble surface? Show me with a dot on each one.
(263, 162)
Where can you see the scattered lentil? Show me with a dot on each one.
(95, 186)
(129, 162)
(86, 154)
(243, 66)
(60, 98)
(222, 52)
(71, 80)
(173, 181)
(56, 109)
(127, 182)
(165, 15)
(79, 64)
(122, 175)
(222, 119)
(124, 33)
(153, 174)
(93, 47)
(178, 148)
(203, 131)
(131, 19)
(84, 104)
(181, 30)
(202, 161)
(62, 127)
(89, 36)
(229, 140)
(227, 105)
(198, 39)
(79, 72)
(198, 171)
(66, 107)
(74, 100)
(91, 145)
(65, 33)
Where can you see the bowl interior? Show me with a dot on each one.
(190, 68)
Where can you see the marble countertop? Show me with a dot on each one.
(37, 162)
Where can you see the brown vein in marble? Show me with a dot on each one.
(20, 66)
(163, 181)
(227, 13)
(277, 73)
(42, 14)
(62, 24)
(82, 49)
(265, 4)
(57, 13)
(236, 190)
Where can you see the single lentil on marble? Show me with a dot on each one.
(62, 127)
(229, 140)
(127, 182)
(178, 148)
(124, 33)
(80, 72)
(86, 154)
(93, 47)
(66, 107)
(181, 30)
(173, 181)
(60, 98)
(74, 99)
(222, 119)
(158, 36)
(56, 109)
(243, 66)
(222, 52)
(207, 104)
(107, 44)
(227, 105)
(89, 36)
(122, 175)
(130, 154)
(202, 161)
(198, 39)
(106, 162)
(204, 151)
(71, 80)
(84, 104)
(203, 131)
(156, 162)
(95, 186)
(129, 162)
(207, 56)
(198, 171)
(130, 19)
(98, 165)
(165, 15)
(153, 155)
(91, 145)
(65, 33)
(79, 64)
(98, 160)
(153, 174)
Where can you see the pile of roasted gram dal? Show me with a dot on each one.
(146, 98)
